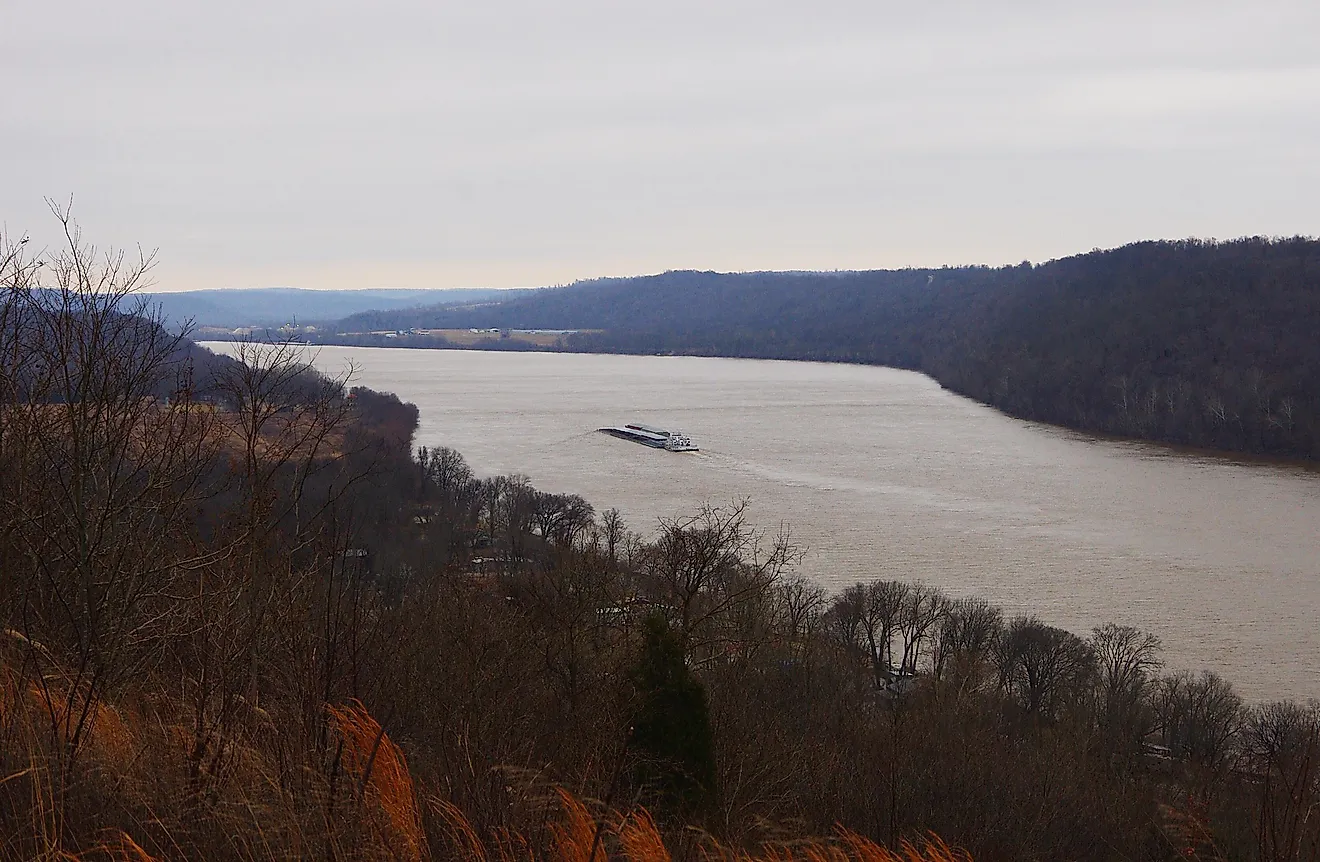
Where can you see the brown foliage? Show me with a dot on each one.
(210, 615)
(379, 816)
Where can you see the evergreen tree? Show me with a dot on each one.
(671, 729)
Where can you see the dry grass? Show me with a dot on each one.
(282, 438)
(122, 848)
(367, 805)
(577, 836)
(640, 838)
(28, 708)
(381, 772)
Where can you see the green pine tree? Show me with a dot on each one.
(671, 730)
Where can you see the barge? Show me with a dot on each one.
(656, 438)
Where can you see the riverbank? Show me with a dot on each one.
(1208, 344)
(882, 471)
(557, 344)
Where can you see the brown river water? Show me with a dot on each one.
(881, 473)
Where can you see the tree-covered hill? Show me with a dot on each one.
(274, 306)
(1201, 343)
(246, 622)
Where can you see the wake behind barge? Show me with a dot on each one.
(656, 438)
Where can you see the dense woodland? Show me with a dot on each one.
(1198, 343)
(241, 619)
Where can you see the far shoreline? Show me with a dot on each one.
(1229, 456)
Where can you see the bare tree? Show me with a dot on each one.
(801, 604)
(1282, 742)
(509, 506)
(704, 568)
(561, 518)
(1126, 660)
(614, 531)
(921, 612)
(844, 618)
(447, 475)
(1199, 718)
(568, 601)
(105, 456)
(881, 619)
(1043, 667)
(285, 423)
(449, 497)
(967, 635)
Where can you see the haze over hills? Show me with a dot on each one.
(275, 306)
(1200, 343)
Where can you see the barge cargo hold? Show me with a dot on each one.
(656, 438)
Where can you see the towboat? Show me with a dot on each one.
(656, 438)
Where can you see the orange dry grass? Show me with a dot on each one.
(463, 839)
(106, 730)
(640, 839)
(928, 849)
(848, 847)
(383, 774)
(580, 837)
(122, 848)
(111, 734)
(576, 838)
(388, 814)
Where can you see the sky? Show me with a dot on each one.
(446, 144)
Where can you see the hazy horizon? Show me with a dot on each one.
(424, 146)
(515, 287)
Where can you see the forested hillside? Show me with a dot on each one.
(1199, 343)
(241, 619)
(275, 306)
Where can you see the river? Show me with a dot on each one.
(881, 473)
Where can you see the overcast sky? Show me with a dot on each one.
(443, 144)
